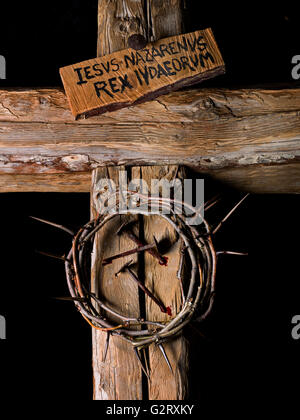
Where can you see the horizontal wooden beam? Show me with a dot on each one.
(276, 179)
(245, 137)
(78, 182)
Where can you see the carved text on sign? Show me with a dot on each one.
(128, 77)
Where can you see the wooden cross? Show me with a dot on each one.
(246, 138)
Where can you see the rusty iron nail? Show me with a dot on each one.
(137, 42)
(162, 260)
(126, 268)
(126, 253)
(126, 229)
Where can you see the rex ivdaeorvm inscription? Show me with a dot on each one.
(128, 77)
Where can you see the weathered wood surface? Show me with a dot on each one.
(129, 77)
(164, 18)
(106, 386)
(163, 280)
(118, 20)
(76, 182)
(261, 179)
(241, 136)
(119, 377)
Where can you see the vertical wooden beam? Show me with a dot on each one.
(120, 376)
(164, 18)
(163, 281)
(117, 21)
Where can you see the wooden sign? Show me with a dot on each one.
(129, 77)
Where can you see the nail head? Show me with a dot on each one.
(137, 42)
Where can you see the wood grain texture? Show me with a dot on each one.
(119, 377)
(78, 182)
(260, 179)
(50, 105)
(163, 281)
(117, 21)
(164, 18)
(116, 18)
(214, 131)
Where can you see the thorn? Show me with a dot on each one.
(71, 299)
(106, 347)
(215, 200)
(54, 224)
(125, 226)
(180, 267)
(165, 357)
(146, 362)
(231, 253)
(141, 363)
(229, 214)
(47, 254)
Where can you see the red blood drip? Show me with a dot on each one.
(164, 261)
(169, 312)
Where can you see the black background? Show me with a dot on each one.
(251, 355)
(257, 44)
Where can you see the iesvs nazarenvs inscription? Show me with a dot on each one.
(129, 77)
(148, 55)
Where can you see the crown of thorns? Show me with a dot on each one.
(200, 285)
